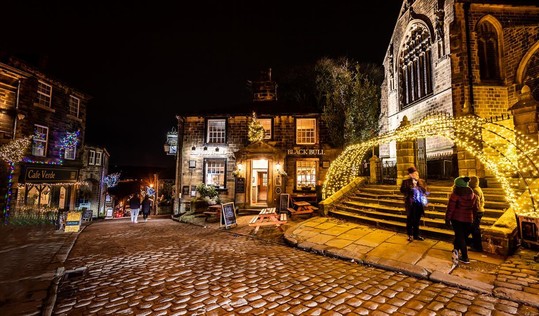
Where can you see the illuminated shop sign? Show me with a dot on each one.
(305, 151)
(50, 175)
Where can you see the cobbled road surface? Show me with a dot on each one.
(163, 267)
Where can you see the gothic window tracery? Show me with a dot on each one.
(415, 66)
(488, 51)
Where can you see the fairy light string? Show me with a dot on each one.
(12, 153)
(492, 143)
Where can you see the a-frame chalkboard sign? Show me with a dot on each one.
(228, 215)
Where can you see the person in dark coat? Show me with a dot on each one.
(146, 207)
(461, 210)
(134, 205)
(415, 192)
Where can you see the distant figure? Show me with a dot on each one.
(146, 207)
(461, 211)
(134, 205)
(415, 200)
(476, 230)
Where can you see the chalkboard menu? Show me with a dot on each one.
(72, 223)
(87, 215)
(240, 185)
(228, 214)
(283, 201)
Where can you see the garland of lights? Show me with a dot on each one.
(53, 161)
(498, 152)
(256, 130)
(70, 141)
(112, 179)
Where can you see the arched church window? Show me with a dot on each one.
(415, 66)
(488, 51)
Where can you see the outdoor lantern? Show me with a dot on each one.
(167, 148)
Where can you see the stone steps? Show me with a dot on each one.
(382, 206)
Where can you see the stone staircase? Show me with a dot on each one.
(382, 206)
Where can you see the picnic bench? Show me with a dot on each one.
(213, 211)
(268, 217)
(302, 207)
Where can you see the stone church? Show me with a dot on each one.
(460, 57)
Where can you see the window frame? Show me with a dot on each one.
(36, 140)
(71, 99)
(91, 157)
(314, 162)
(302, 139)
(44, 99)
(222, 161)
(98, 158)
(218, 139)
(72, 151)
(268, 134)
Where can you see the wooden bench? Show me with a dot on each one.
(268, 217)
(213, 211)
(303, 207)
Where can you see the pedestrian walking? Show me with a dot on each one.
(415, 200)
(476, 229)
(134, 205)
(461, 211)
(146, 206)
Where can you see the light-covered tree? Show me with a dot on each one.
(256, 130)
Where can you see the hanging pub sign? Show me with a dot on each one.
(50, 175)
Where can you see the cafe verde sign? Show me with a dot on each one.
(50, 175)
(305, 151)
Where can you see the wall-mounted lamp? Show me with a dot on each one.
(278, 166)
(193, 148)
(166, 147)
(240, 166)
(21, 116)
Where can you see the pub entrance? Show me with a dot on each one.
(259, 182)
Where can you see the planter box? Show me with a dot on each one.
(529, 229)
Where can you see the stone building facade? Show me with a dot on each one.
(293, 157)
(93, 194)
(462, 58)
(54, 114)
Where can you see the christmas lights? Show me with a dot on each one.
(256, 130)
(112, 179)
(493, 144)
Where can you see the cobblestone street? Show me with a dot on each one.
(163, 267)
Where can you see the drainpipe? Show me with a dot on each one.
(16, 109)
(469, 54)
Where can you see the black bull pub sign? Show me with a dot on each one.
(50, 175)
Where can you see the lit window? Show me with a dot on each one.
(216, 132)
(74, 105)
(44, 94)
(70, 153)
(306, 174)
(39, 141)
(98, 157)
(266, 123)
(214, 172)
(306, 131)
(91, 158)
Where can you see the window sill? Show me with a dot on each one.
(37, 105)
(74, 118)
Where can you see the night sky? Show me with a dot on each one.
(143, 62)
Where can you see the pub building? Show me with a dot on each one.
(54, 114)
(293, 156)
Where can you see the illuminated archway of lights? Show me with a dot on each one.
(493, 144)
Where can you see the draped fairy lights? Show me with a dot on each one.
(112, 179)
(493, 144)
(12, 153)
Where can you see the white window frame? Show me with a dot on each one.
(98, 158)
(215, 172)
(44, 94)
(306, 173)
(70, 153)
(91, 157)
(74, 106)
(216, 131)
(305, 131)
(36, 151)
(268, 126)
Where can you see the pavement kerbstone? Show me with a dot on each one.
(397, 266)
(472, 285)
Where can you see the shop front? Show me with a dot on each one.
(44, 187)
